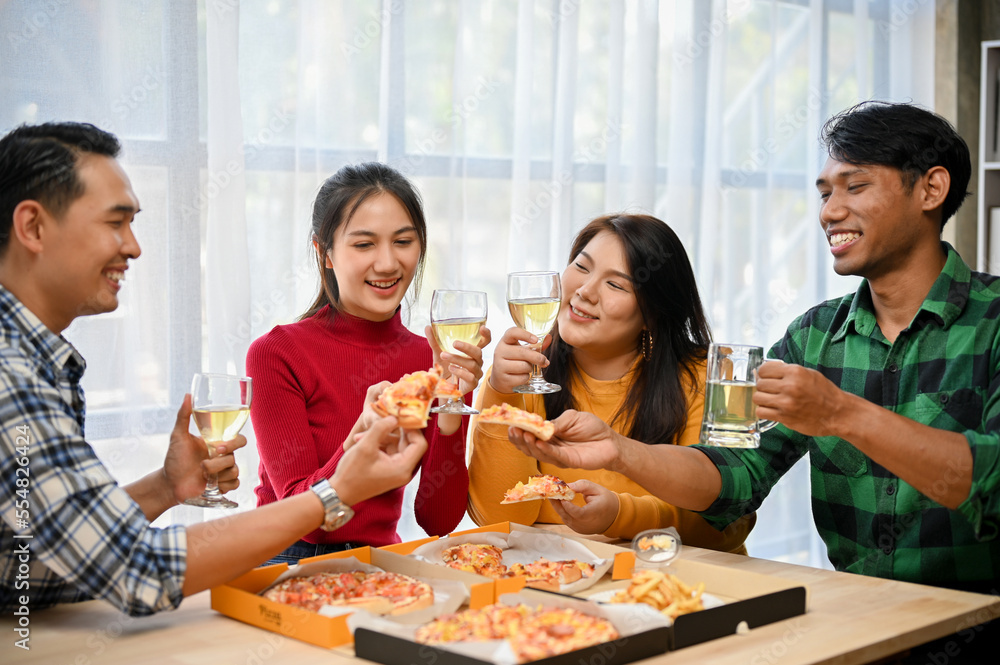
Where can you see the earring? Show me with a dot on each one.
(646, 341)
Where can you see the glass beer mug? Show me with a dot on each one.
(730, 418)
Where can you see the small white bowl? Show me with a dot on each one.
(657, 546)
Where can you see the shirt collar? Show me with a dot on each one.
(944, 302)
(47, 347)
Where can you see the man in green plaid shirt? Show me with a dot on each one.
(894, 391)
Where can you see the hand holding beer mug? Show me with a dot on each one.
(730, 418)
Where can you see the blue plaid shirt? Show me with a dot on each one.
(68, 532)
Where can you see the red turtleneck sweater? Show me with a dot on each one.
(309, 384)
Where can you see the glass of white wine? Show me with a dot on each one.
(221, 404)
(457, 316)
(534, 299)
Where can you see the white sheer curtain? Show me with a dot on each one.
(518, 121)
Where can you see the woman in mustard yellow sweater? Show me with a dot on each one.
(629, 345)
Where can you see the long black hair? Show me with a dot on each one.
(667, 296)
(339, 198)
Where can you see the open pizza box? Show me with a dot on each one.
(620, 561)
(642, 634)
(735, 600)
(239, 598)
(742, 600)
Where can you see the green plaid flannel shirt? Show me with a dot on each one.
(942, 371)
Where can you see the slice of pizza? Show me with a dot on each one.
(401, 593)
(537, 488)
(447, 389)
(505, 414)
(551, 575)
(409, 399)
(478, 558)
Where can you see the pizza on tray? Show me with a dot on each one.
(533, 633)
(409, 399)
(505, 414)
(487, 560)
(476, 558)
(539, 487)
(551, 575)
(381, 592)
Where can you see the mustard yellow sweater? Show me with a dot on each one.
(495, 466)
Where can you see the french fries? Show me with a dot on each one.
(664, 592)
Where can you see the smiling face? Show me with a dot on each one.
(85, 252)
(872, 221)
(600, 313)
(374, 256)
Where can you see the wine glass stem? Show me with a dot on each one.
(212, 479)
(536, 370)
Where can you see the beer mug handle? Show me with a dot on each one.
(764, 425)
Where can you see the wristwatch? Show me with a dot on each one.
(338, 513)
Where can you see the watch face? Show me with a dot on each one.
(337, 513)
(339, 519)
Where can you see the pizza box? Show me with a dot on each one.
(746, 598)
(408, 546)
(623, 558)
(239, 600)
(643, 636)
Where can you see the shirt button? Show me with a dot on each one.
(890, 490)
(943, 399)
(893, 368)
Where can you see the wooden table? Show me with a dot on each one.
(851, 619)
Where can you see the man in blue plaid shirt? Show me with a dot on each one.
(893, 391)
(68, 531)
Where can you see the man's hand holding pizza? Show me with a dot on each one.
(581, 441)
(378, 462)
(368, 416)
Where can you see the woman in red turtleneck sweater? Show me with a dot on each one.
(311, 377)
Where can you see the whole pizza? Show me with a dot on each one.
(533, 633)
(381, 592)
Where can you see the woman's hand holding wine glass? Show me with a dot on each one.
(460, 317)
(534, 299)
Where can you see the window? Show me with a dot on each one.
(518, 122)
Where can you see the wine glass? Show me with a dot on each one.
(457, 316)
(534, 299)
(221, 404)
